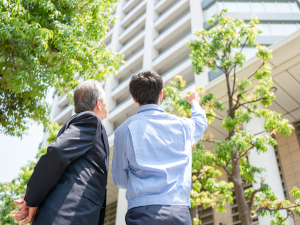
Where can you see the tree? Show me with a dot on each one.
(46, 43)
(9, 191)
(222, 48)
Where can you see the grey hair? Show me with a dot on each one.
(86, 95)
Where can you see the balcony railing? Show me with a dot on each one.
(133, 9)
(135, 54)
(122, 103)
(173, 45)
(129, 42)
(133, 24)
(127, 78)
(168, 10)
(173, 25)
(189, 85)
(170, 70)
(127, 3)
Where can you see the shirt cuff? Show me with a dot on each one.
(196, 106)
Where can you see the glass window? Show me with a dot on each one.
(257, 7)
(265, 28)
(270, 7)
(294, 7)
(284, 7)
(290, 28)
(231, 6)
(277, 29)
(211, 11)
(244, 7)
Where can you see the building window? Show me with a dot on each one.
(110, 214)
(253, 7)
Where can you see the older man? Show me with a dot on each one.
(68, 185)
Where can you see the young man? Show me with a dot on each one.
(68, 184)
(153, 156)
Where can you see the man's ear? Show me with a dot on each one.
(161, 95)
(134, 100)
(98, 104)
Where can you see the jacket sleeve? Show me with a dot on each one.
(74, 142)
(197, 124)
(120, 162)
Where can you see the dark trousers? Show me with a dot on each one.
(159, 215)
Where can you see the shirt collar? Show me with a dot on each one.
(149, 107)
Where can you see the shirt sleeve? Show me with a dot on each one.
(70, 145)
(197, 124)
(120, 162)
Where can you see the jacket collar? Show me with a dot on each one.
(149, 107)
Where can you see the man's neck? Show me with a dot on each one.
(150, 104)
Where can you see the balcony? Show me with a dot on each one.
(173, 55)
(183, 68)
(132, 64)
(122, 88)
(163, 5)
(120, 110)
(133, 45)
(63, 116)
(108, 36)
(133, 29)
(181, 27)
(177, 10)
(134, 14)
(130, 5)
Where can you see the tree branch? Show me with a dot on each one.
(219, 118)
(212, 141)
(257, 70)
(224, 167)
(5, 52)
(234, 80)
(273, 209)
(245, 152)
(256, 100)
(252, 197)
(244, 44)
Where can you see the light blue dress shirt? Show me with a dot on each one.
(152, 156)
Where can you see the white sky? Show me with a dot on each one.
(15, 153)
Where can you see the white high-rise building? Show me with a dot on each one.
(153, 35)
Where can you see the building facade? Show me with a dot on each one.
(152, 34)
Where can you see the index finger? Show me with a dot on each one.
(193, 89)
(19, 201)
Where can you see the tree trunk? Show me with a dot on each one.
(245, 212)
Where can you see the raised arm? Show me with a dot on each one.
(70, 145)
(197, 123)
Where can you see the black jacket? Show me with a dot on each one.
(69, 181)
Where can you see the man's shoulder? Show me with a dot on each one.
(124, 126)
(87, 119)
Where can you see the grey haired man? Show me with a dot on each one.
(68, 185)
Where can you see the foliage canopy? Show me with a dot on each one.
(44, 44)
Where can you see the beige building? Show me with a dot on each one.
(153, 35)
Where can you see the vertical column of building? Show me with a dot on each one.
(271, 176)
(197, 21)
(150, 33)
(111, 81)
(121, 207)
